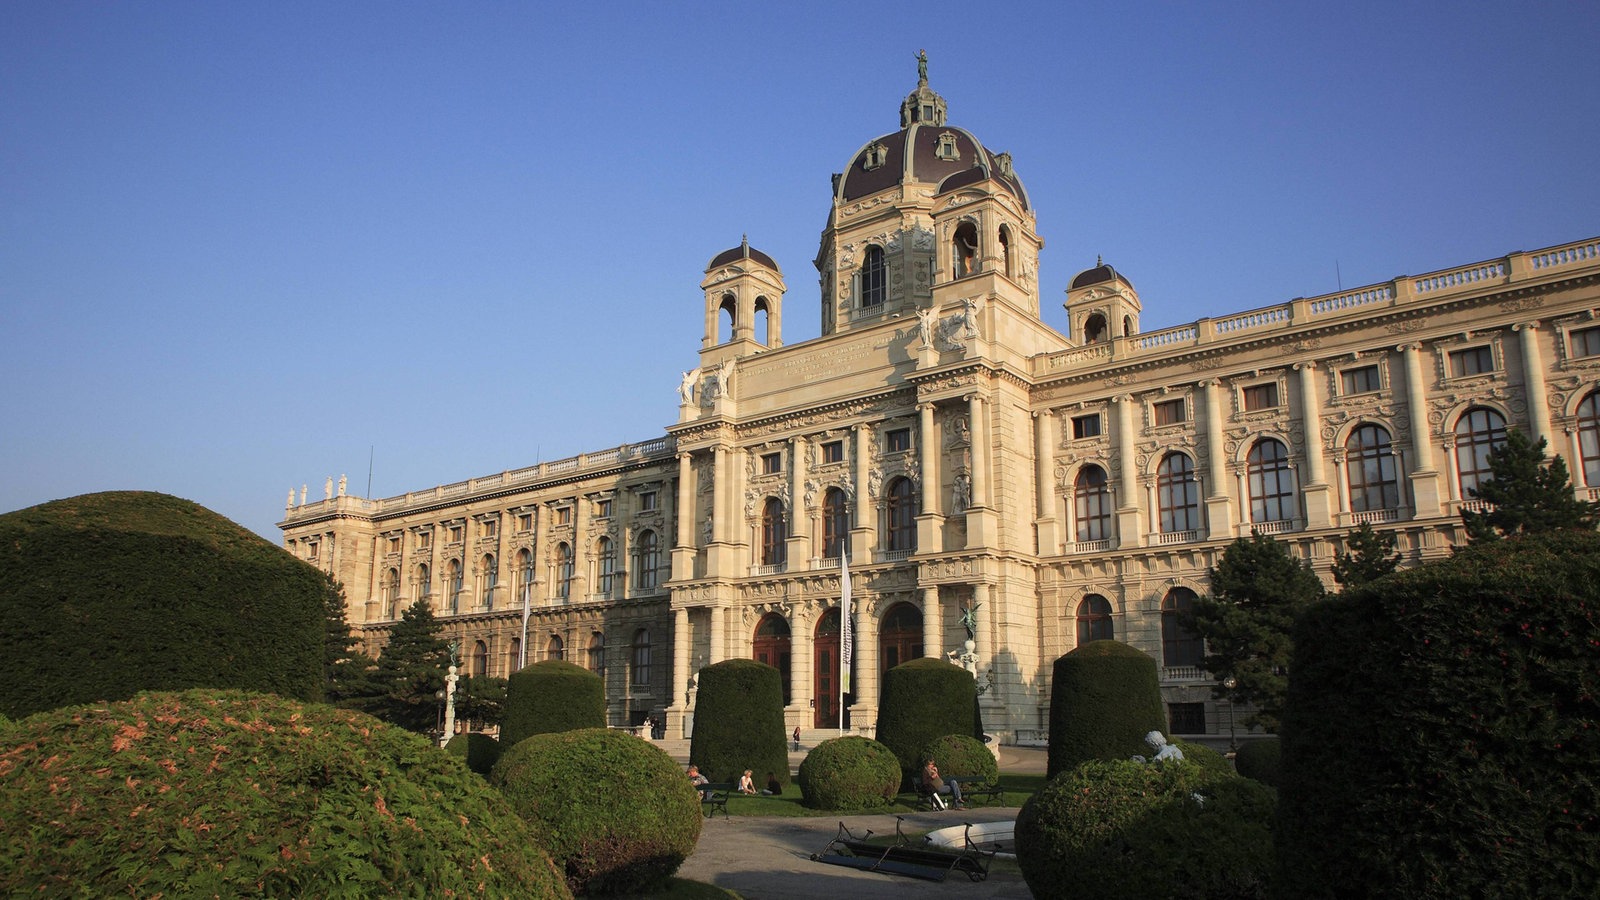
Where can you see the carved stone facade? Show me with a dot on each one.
(972, 459)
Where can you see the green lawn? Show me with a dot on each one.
(1019, 788)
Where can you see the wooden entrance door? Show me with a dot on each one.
(826, 671)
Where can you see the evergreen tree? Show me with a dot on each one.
(479, 700)
(1257, 591)
(346, 672)
(1365, 557)
(1527, 493)
(411, 670)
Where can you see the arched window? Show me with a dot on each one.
(606, 563)
(556, 649)
(835, 523)
(525, 576)
(728, 318)
(774, 533)
(1177, 494)
(1370, 471)
(763, 323)
(964, 250)
(874, 280)
(641, 658)
(1127, 326)
(1094, 620)
(425, 584)
(900, 519)
(514, 655)
(1589, 439)
(1179, 645)
(1005, 252)
(771, 646)
(564, 571)
(457, 580)
(900, 636)
(597, 654)
(1478, 433)
(391, 593)
(1094, 329)
(646, 561)
(491, 580)
(1271, 482)
(480, 660)
(1092, 502)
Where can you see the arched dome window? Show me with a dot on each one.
(874, 278)
(964, 250)
(1094, 329)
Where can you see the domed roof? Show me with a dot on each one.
(743, 251)
(927, 151)
(1099, 274)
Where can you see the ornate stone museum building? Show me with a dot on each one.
(980, 467)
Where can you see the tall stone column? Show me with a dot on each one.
(864, 682)
(679, 701)
(932, 623)
(1424, 475)
(1534, 384)
(1317, 504)
(801, 651)
(866, 518)
(929, 517)
(982, 523)
(1047, 541)
(1130, 527)
(719, 634)
(799, 544)
(1219, 505)
(683, 549)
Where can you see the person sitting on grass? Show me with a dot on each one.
(773, 787)
(746, 786)
(934, 785)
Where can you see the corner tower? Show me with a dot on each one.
(925, 216)
(744, 303)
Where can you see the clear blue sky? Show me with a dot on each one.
(243, 243)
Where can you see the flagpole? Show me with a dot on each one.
(846, 637)
(527, 610)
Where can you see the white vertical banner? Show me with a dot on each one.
(847, 640)
(527, 610)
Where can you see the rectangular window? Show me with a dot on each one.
(525, 522)
(771, 463)
(1086, 426)
(490, 527)
(897, 440)
(311, 549)
(424, 540)
(564, 515)
(1361, 380)
(647, 501)
(394, 544)
(602, 508)
(1260, 396)
(1586, 342)
(1186, 718)
(833, 451)
(1170, 412)
(456, 533)
(1474, 361)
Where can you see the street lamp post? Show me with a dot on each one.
(1233, 741)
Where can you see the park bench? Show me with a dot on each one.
(714, 797)
(903, 857)
(971, 789)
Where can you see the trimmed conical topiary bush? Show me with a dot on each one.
(1105, 697)
(233, 794)
(615, 812)
(849, 773)
(551, 696)
(922, 700)
(738, 721)
(126, 591)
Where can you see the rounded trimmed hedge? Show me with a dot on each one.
(614, 811)
(229, 793)
(738, 721)
(849, 773)
(1105, 696)
(126, 591)
(1118, 828)
(551, 696)
(924, 699)
(1440, 733)
(957, 754)
(1260, 760)
(479, 751)
(1205, 757)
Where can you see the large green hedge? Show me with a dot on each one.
(738, 721)
(1442, 729)
(849, 773)
(479, 751)
(958, 755)
(615, 812)
(551, 696)
(924, 699)
(1117, 828)
(1105, 696)
(106, 595)
(1260, 760)
(226, 793)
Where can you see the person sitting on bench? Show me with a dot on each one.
(934, 785)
